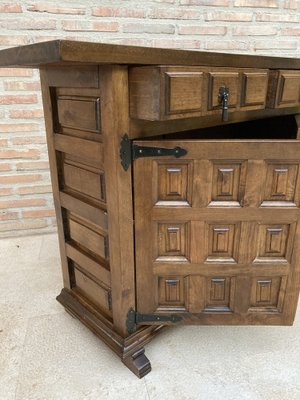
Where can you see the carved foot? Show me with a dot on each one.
(138, 363)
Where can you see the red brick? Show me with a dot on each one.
(10, 8)
(22, 203)
(25, 127)
(201, 30)
(3, 142)
(226, 45)
(174, 13)
(177, 44)
(83, 26)
(15, 40)
(20, 99)
(293, 4)
(7, 215)
(106, 11)
(15, 72)
(21, 85)
(38, 213)
(23, 114)
(35, 189)
(5, 167)
(29, 140)
(5, 179)
(275, 45)
(149, 28)
(23, 225)
(228, 16)
(216, 3)
(31, 153)
(268, 17)
(254, 30)
(35, 165)
(256, 3)
(129, 41)
(291, 31)
(28, 24)
(5, 191)
(52, 9)
(105, 26)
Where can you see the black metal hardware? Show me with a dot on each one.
(129, 152)
(134, 318)
(223, 99)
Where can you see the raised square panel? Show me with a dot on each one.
(172, 242)
(222, 242)
(254, 89)
(288, 89)
(183, 92)
(228, 183)
(173, 183)
(267, 294)
(216, 80)
(281, 184)
(171, 292)
(219, 294)
(83, 181)
(79, 113)
(275, 243)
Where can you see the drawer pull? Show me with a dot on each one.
(223, 99)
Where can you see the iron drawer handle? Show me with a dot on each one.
(223, 99)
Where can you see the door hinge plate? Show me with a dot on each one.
(134, 318)
(130, 152)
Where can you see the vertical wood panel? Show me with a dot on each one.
(114, 112)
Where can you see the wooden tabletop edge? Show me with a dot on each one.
(68, 51)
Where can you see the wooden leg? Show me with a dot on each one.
(130, 349)
(138, 363)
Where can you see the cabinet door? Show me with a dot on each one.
(217, 232)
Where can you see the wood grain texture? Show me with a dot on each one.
(114, 89)
(71, 52)
(167, 93)
(238, 252)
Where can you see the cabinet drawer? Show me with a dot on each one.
(287, 83)
(164, 93)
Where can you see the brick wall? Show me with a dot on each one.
(243, 26)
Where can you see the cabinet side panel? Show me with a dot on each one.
(55, 174)
(74, 136)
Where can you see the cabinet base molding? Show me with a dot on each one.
(130, 349)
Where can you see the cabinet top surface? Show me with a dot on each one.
(66, 52)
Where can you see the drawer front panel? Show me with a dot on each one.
(254, 89)
(183, 92)
(164, 93)
(288, 91)
(216, 80)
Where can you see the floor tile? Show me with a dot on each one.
(77, 366)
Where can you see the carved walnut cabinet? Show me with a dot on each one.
(176, 185)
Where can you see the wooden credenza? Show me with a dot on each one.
(176, 185)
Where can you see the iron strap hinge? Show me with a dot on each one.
(134, 318)
(130, 152)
